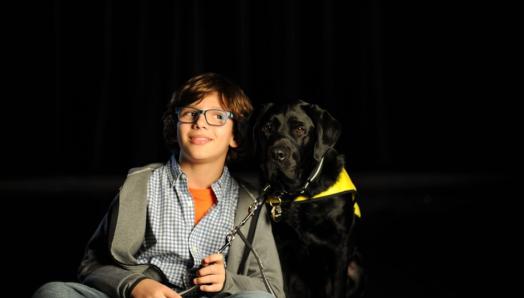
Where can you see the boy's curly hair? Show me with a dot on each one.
(231, 97)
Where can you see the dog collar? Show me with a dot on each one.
(342, 185)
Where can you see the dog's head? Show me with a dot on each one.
(290, 140)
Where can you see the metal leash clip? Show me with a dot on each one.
(276, 209)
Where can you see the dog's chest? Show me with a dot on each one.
(315, 222)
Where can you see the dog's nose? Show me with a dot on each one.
(279, 154)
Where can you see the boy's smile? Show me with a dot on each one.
(199, 139)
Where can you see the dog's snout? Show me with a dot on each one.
(280, 153)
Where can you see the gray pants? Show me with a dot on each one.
(58, 289)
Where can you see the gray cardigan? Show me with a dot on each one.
(110, 266)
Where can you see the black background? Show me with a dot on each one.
(430, 95)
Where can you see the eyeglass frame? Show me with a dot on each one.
(229, 115)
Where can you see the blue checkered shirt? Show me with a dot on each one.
(173, 242)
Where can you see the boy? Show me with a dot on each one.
(162, 232)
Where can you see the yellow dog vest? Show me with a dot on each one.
(342, 185)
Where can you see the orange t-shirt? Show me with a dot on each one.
(203, 199)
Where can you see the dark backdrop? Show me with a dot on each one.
(430, 96)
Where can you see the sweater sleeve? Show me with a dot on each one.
(99, 270)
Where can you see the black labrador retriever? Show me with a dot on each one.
(315, 236)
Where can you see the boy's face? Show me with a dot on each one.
(202, 143)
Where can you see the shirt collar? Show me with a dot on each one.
(177, 173)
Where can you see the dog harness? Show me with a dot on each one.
(341, 186)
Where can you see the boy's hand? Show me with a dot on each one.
(212, 275)
(147, 288)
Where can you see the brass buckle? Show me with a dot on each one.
(276, 209)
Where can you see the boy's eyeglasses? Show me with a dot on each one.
(214, 117)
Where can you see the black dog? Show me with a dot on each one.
(314, 235)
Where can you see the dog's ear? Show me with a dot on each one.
(256, 122)
(327, 128)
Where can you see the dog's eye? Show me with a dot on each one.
(300, 130)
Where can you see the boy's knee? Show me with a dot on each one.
(52, 289)
(252, 294)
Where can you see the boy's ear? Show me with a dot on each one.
(233, 143)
